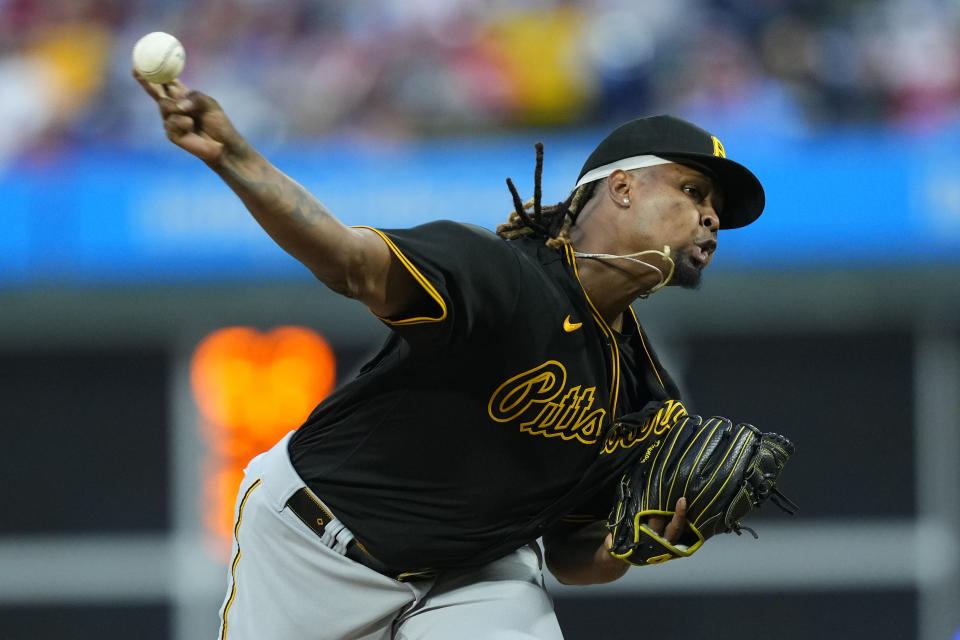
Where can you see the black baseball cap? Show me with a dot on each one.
(649, 141)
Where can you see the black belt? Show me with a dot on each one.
(311, 512)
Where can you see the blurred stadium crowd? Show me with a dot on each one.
(296, 70)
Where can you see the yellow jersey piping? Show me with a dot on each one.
(419, 277)
(614, 351)
(643, 341)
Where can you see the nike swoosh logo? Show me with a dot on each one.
(570, 327)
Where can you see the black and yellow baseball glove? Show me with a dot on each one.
(724, 471)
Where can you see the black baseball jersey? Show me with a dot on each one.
(488, 414)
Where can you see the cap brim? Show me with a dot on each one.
(743, 197)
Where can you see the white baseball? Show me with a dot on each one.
(158, 57)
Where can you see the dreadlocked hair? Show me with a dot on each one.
(551, 222)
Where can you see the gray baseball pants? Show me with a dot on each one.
(288, 583)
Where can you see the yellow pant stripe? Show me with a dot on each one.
(236, 559)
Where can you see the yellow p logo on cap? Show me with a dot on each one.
(718, 148)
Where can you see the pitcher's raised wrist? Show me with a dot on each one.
(239, 160)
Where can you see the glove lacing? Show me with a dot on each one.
(765, 491)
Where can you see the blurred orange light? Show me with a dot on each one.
(219, 493)
(251, 388)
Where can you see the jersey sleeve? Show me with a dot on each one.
(469, 276)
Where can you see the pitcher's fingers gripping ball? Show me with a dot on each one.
(724, 471)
